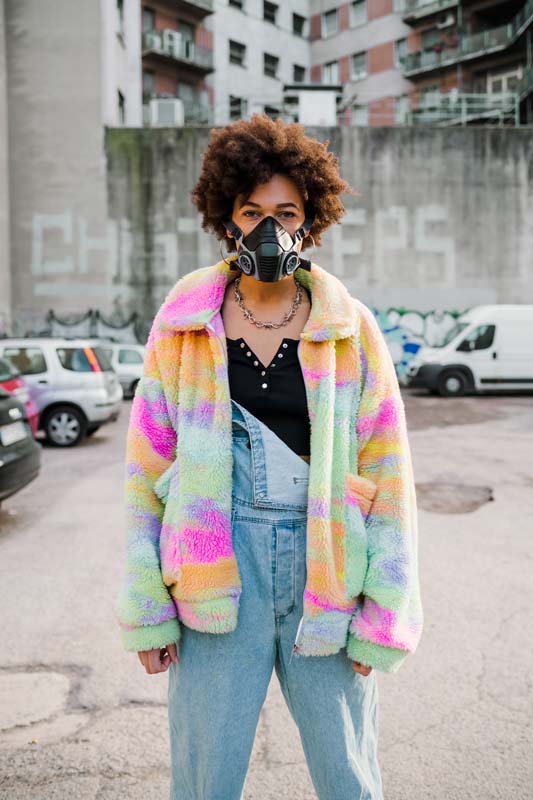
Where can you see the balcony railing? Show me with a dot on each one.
(169, 43)
(470, 45)
(416, 9)
(438, 108)
(195, 113)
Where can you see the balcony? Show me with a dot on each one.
(469, 46)
(169, 45)
(195, 113)
(454, 108)
(197, 8)
(414, 10)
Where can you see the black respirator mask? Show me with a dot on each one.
(268, 253)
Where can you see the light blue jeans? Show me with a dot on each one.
(218, 688)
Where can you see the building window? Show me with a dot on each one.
(298, 25)
(148, 19)
(330, 73)
(270, 11)
(238, 107)
(400, 51)
(270, 65)
(358, 66)
(237, 53)
(430, 38)
(330, 24)
(237, 4)
(358, 13)
(401, 110)
(148, 84)
(121, 103)
(120, 16)
(298, 73)
(271, 111)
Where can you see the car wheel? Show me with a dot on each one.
(133, 388)
(64, 426)
(453, 383)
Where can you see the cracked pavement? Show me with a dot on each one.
(80, 719)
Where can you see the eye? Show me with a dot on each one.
(245, 213)
(288, 213)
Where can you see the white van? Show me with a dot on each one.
(489, 349)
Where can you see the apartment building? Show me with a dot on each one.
(359, 45)
(470, 61)
(177, 58)
(260, 47)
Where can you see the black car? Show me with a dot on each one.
(20, 454)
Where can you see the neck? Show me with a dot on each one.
(264, 293)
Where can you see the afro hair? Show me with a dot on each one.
(247, 153)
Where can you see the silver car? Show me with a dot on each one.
(71, 382)
(127, 361)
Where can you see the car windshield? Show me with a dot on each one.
(452, 333)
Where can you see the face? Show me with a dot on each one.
(279, 198)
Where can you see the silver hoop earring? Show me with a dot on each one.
(222, 254)
(313, 238)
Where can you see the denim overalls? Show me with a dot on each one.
(218, 688)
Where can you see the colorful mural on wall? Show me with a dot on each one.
(406, 331)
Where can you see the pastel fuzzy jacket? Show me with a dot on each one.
(362, 589)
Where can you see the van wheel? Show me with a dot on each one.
(453, 383)
(64, 426)
(133, 388)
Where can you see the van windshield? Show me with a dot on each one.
(452, 333)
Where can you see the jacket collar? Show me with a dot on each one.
(198, 296)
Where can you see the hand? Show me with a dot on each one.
(158, 660)
(361, 668)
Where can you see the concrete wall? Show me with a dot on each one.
(444, 220)
(61, 240)
(5, 271)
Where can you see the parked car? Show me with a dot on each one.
(20, 454)
(127, 361)
(490, 348)
(72, 383)
(12, 381)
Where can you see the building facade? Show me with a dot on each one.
(470, 61)
(177, 58)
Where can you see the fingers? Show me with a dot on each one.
(173, 653)
(159, 660)
(362, 669)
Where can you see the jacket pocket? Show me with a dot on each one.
(360, 491)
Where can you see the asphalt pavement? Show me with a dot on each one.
(80, 719)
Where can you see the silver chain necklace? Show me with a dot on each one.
(249, 314)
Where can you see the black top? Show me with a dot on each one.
(275, 394)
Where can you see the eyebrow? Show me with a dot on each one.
(279, 205)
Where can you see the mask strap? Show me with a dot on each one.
(304, 229)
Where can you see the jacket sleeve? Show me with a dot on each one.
(145, 610)
(387, 624)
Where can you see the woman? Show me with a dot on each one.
(270, 497)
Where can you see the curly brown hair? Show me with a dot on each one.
(246, 153)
